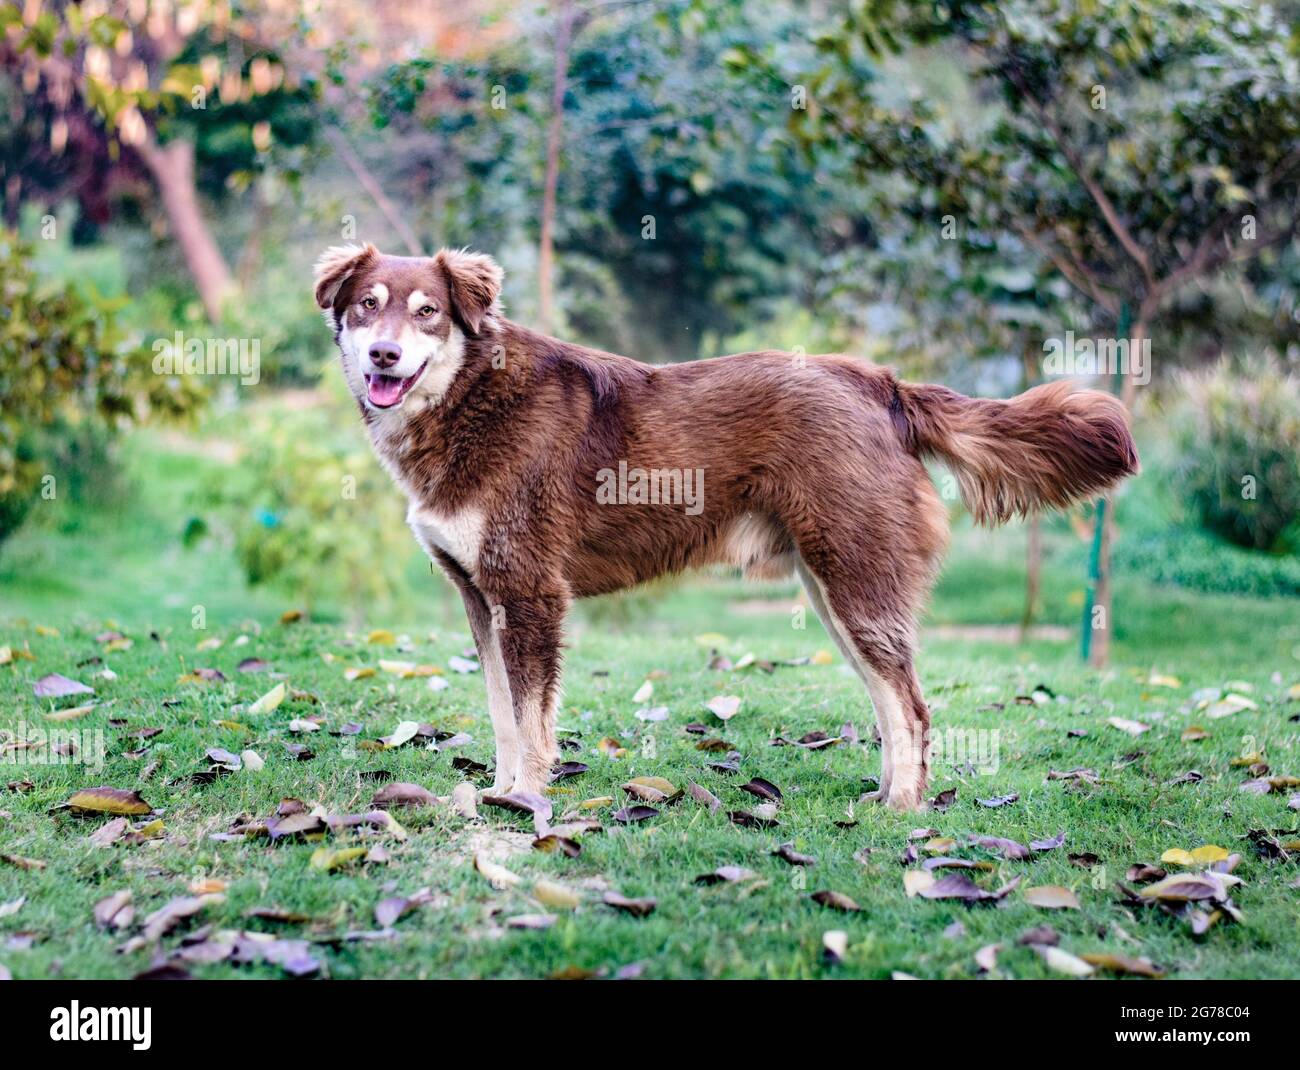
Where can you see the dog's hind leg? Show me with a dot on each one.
(500, 707)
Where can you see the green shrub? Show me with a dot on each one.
(311, 511)
(1189, 558)
(1237, 462)
(68, 373)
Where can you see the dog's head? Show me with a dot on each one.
(401, 321)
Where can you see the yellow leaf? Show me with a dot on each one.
(382, 637)
(71, 714)
(290, 615)
(656, 782)
(1178, 857)
(1052, 897)
(151, 830)
(1194, 734)
(231, 726)
(596, 803)
(551, 894)
(397, 668)
(52, 633)
(939, 845)
(497, 876)
(269, 701)
(1208, 854)
(208, 644)
(822, 657)
(207, 886)
(1157, 680)
(362, 673)
(114, 645)
(916, 881)
(712, 639)
(330, 859)
(108, 801)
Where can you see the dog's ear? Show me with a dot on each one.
(474, 281)
(335, 266)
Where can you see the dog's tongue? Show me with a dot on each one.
(384, 390)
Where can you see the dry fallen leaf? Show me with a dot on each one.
(1051, 897)
(269, 701)
(723, 707)
(1063, 962)
(105, 800)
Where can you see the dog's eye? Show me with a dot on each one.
(426, 311)
(369, 303)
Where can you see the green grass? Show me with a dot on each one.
(76, 578)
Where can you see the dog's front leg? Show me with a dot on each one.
(529, 638)
(483, 624)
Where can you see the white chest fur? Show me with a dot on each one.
(457, 534)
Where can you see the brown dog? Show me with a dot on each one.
(539, 471)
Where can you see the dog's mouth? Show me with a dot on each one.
(385, 391)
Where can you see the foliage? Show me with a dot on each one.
(311, 511)
(1131, 149)
(1237, 440)
(1185, 557)
(65, 364)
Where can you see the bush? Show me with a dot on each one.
(311, 511)
(1199, 562)
(1237, 435)
(67, 372)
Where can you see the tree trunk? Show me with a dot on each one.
(172, 168)
(1102, 609)
(554, 135)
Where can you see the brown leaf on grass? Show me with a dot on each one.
(1040, 934)
(57, 686)
(835, 945)
(530, 921)
(1007, 848)
(630, 814)
(1083, 859)
(944, 800)
(1143, 873)
(389, 911)
(986, 958)
(763, 789)
(999, 801)
(164, 971)
(1049, 844)
(652, 789)
(834, 900)
(398, 793)
(960, 886)
(290, 917)
(787, 853)
(1186, 887)
(21, 862)
(564, 770)
(105, 800)
(167, 917)
(931, 864)
(223, 759)
(746, 820)
(1078, 773)
(298, 824)
(299, 752)
(715, 745)
(563, 844)
(523, 802)
(727, 874)
(704, 797)
(114, 911)
(1116, 963)
(108, 834)
(253, 665)
(637, 907)
(1051, 897)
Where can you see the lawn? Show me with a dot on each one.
(1029, 710)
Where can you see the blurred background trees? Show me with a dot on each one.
(940, 186)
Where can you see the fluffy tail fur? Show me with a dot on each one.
(1049, 446)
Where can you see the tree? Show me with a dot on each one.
(194, 93)
(1138, 149)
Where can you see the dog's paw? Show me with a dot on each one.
(906, 802)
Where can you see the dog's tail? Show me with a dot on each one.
(1049, 446)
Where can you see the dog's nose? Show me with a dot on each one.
(385, 354)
